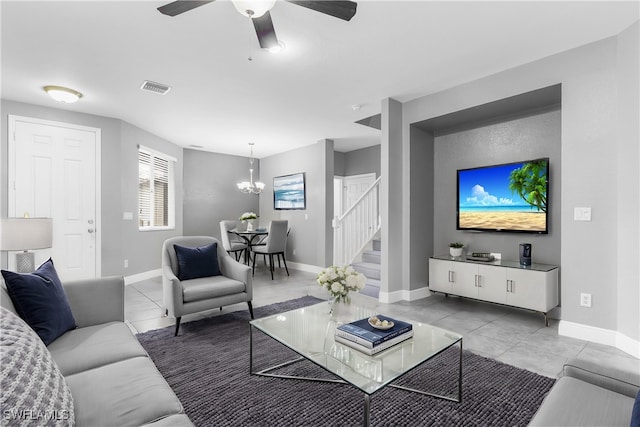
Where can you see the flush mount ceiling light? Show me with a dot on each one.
(63, 94)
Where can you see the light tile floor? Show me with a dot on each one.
(513, 336)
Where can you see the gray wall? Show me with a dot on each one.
(514, 140)
(338, 163)
(628, 182)
(595, 137)
(119, 185)
(423, 204)
(363, 160)
(143, 249)
(394, 197)
(311, 237)
(210, 191)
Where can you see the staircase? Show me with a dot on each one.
(370, 267)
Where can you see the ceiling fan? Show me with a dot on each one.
(258, 11)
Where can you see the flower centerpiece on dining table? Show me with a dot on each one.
(339, 281)
(248, 218)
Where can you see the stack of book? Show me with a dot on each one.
(481, 256)
(362, 336)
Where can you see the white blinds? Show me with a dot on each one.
(154, 184)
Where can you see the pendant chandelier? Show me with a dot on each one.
(249, 187)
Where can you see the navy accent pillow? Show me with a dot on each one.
(40, 300)
(635, 413)
(197, 262)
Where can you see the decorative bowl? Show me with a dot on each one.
(383, 325)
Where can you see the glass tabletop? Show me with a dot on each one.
(250, 232)
(309, 331)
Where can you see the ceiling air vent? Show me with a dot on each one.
(155, 87)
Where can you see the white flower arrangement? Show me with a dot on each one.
(339, 281)
(248, 215)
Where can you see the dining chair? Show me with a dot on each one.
(264, 239)
(231, 242)
(276, 244)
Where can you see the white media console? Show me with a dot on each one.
(533, 287)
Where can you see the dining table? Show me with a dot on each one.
(251, 238)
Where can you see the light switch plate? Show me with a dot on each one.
(127, 216)
(582, 214)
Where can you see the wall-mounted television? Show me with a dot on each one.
(510, 197)
(289, 192)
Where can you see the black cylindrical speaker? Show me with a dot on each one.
(525, 253)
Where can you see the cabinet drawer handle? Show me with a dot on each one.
(450, 276)
(510, 286)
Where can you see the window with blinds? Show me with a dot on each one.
(155, 190)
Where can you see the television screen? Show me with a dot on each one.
(508, 197)
(288, 192)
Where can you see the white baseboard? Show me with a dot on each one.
(142, 276)
(157, 273)
(404, 295)
(304, 267)
(600, 336)
(628, 345)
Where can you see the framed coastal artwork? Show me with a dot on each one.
(289, 192)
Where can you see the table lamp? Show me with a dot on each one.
(24, 234)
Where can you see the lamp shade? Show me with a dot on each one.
(22, 234)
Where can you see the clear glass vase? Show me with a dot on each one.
(340, 308)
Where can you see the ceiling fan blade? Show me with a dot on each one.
(265, 31)
(340, 9)
(181, 6)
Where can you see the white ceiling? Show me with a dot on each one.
(227, 92)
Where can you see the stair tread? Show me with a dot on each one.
(367, 265)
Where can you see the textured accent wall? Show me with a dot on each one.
(210, 191)
(512, 140)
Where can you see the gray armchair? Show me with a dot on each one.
(232, 286)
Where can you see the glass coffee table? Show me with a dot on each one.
(309, 332)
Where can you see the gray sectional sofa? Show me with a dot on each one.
(590, 394)
(111, 378)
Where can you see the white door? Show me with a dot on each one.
(354, 187)
(54, 173)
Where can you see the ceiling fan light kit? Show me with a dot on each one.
(253, 8)
(63, 94)
(258, 11)
(278, 48)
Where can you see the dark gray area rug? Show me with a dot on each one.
(207, 366)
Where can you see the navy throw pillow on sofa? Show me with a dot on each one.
(197, 262)
(40, 300)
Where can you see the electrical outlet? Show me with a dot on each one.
(585, 300)
(293, 252)
(126, 263)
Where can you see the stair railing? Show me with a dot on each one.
(354, 229)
